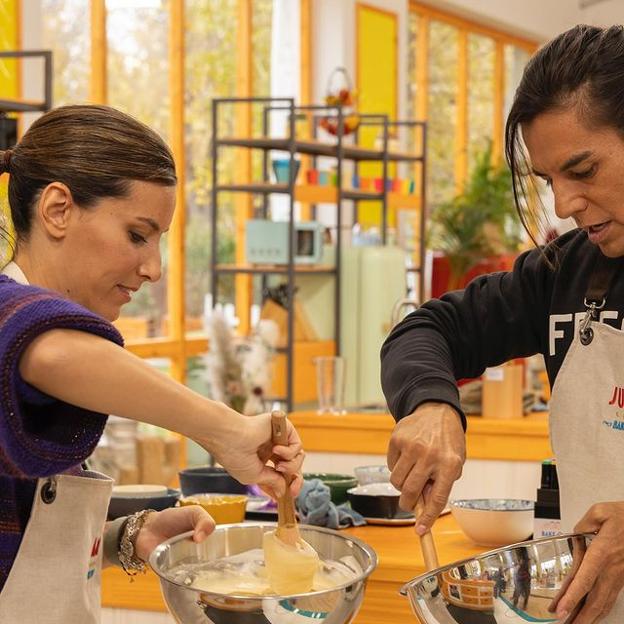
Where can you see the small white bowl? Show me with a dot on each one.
(375, 489)
(494, 521)
(137, 490)
(372, 474)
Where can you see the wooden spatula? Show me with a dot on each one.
(287, 529)
(427, 544)
(291, 562)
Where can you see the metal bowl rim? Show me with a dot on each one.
(178, 538)
(171, 492)
(455, 504)
(421, 577)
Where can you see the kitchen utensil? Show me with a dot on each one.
(338, 605)
(205, 479)
(338, 484)
(224, 508)
(427, 544)
(494, 522)
(513, 584)
(290, 561)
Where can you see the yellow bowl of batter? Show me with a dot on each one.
(224, 508)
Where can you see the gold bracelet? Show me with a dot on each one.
(130, 562)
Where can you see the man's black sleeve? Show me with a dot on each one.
(497, 317)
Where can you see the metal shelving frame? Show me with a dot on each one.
(341, 151)
(22, 106)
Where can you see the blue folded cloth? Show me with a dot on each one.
(315, 507)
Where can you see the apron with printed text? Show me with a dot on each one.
(55, 578)
(587, 427)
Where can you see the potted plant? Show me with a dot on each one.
(478, 230)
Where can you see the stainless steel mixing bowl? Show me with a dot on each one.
(517, 583)
(192, 606)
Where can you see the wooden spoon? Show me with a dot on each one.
(291, 562)
(427, 544)
(287, 529)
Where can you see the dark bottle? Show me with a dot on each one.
(547, 516)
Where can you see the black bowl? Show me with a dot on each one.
(209, 479)
(127, 505)
(377, 500)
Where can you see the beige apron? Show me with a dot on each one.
(587, 428)
(55, 578)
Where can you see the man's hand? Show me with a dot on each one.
(426, 453)
(601, 573)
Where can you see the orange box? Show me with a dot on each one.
(503, 387)
(304, 369)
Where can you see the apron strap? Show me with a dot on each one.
(600, 280)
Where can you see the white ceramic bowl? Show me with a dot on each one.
(372, 474)
(494, 521)
(139, 489)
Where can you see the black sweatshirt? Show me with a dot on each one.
(498, 317)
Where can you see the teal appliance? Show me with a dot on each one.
(266, 242)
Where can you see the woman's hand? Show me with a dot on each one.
(601, 573)
(427, 448)
(245, 450)
(161, 525)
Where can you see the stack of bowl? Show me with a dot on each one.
(129, 499)
(220, 494)
(376, 498)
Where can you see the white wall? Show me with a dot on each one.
(602, 13)
(334, 41)
(536, 19)
(32, 69)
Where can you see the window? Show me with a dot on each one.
(65, 31)
(138, 84)
(463, 76)
(138, 71)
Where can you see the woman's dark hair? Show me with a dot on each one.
(581, 68)
(97, 151)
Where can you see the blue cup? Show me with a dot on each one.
(281, 170)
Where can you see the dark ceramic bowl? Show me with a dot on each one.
(209, 479)
(338, 484)
(377, 500)
(127, 505)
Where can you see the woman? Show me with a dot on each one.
(565, 301)
(91, 193)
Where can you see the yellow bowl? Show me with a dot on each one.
(224, 508)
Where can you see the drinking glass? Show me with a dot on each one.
(330, 384)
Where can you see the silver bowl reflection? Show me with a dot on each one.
(338, 605)
(519, 583)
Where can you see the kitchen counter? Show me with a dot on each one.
(400, 559)
(500, 452)
(519, 439)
